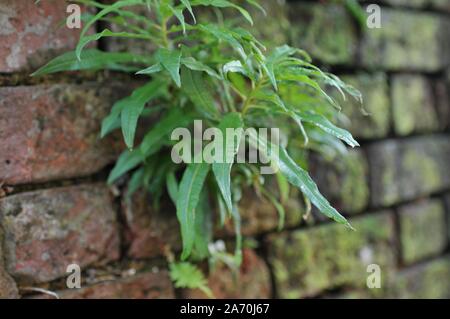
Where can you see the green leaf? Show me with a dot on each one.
(283, 187)
(269, 69)
(179, 14)
(126, 162)
(195, 65)
(297, 76)
(172, 186)
(187, 4)
(135, 182)
(222, 170)
(170, 60)
(109, 123)
(223, 34)
(237, 231)
(188, 196)
(296, 176)
(155, 138)
(91, 59)
(196, 89)
(224, 4)
(271, 97)
(235, 67)
(323, 123)
(106, 10)
(278, 207)
(258, 6)
(85, 40)
(112, 121)
(155, 68)
(187, 275)
(133, 107)
(203, 226)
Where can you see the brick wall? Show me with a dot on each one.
(55, 207)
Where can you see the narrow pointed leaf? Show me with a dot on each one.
(187, 4)
(126, 162)
(91, 59)
(203, 226)
(133, 107)
(195, 65)
(159, 133)
(178, 13)
(170, 60)
(197, 91)
(323, 123)
(296, 176)
(155, 68)
(172, 186)
(222, 169)
(85, 40)
(188, 197)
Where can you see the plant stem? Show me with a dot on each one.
(165, 39)
(246, 106)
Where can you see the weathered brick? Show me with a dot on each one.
(426, 281)
(374, 90)
(148, 230)
(406, 41)
(447, 206)
(403, 170)
(148, 285)
(344, 183)
(326, 32)
(137, 46)
(273, 27)
(423, 230)
(51, 132)
(307, 262)
(8, 288)
(31, 33)
(251, 282)
(47, 230)
(442, 102)
(434, 4)
(412, 105)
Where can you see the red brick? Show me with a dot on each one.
(31, 33)
(252, 281)
(47, 230)
(149, 285)
(8, 288)
(51, 132)
(147, 230)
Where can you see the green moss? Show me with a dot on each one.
(405, 41)
(423, 231)
(327, 32)
(413, 110)
(425, 281)
(308, 262)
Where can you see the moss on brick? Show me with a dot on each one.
(308, 262)
(412, 41)
(374, 90)
(429, 280)
(326, 32)
(423, 230)
(412, 104)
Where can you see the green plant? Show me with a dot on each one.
(220, 73)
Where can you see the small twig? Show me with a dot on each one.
(41, 290)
